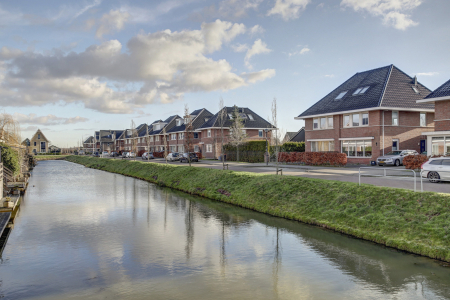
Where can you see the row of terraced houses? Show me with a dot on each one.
(206, 133)
(372, 113)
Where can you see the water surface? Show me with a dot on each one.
(89, 234)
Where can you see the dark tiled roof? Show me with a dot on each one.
(89, 140)
(118, 133)
(388, 87)
(196, 112)
(289, 135)
(170, 124)
(257, 121)
(442, 91)
(298, 136)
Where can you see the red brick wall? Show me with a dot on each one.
(442, 109)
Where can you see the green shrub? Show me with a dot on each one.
(293, 147)
(10, 159)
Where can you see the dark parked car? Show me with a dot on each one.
(114, 154)
(184, 157)
(96, 154)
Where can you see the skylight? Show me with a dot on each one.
(342, 94)
(361, 90)
(250, 117)
(230, 115)
(415, 89)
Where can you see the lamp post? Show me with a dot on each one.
(267, 147)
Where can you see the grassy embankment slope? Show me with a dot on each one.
(415, 222)
(49, 157)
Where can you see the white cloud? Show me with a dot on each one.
(256, 29)
(329, 76)
(112, 21)
(46, 120)
(86, 8)
(428, 74)
(159, 66)
(392, 11)
(288, 9)
(304, 50)
(228, 9)
(239, 47)
(259, 76)
(9, 53)
(259, 47)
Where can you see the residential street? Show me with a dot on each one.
(397, 177)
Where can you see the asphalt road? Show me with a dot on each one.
(397, 177)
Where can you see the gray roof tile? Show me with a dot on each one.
(442, 91)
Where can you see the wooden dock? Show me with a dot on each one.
(9, 207)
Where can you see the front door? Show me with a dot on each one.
(423, 146)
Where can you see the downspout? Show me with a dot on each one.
(383, 132)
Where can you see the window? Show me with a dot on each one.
(209, 133)
(365, 119)
(395, 144)
(250, 117)
(322, 146)
(260, 133)
(423, 119)
(361, 90)
(39, 136)
(436, 162)
(179, 122)
(395, 118)
(181, 135)
(357, 148)
(230, 116)
(196, 148)
(157, 138)
(323, 123)
(195, 135)
(341, 95)
(173, 136)
(356, 120)
(415, 89)
(446, 162)
(206, 119)
(208, 148)
(346, 121)
(157, 127)
(35, 143)
(316, 124)
(243, 131)
(172, 149)
(440, 145)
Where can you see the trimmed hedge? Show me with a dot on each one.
(414, 162)
(10, 159)
(314, 158)
(293, 147)
(246, 156)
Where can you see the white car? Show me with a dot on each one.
(105, 153)
(173, 156)
(132, 154)
(436, 169)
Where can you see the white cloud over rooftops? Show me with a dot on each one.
(288, 9)
(46, 120)
(392, 11)
(164, 64)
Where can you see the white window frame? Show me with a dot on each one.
(425, 119)
(173, 136)
(209, 133)
(151, 139)
(208, 147)
(354, 143)
(326, 120)
(360, 121)
(157, 138)
(398, 118)
(181, 136)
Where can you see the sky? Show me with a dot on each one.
(73, 67)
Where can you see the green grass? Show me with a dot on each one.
(49, 157)
(414, 222)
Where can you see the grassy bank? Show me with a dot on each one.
(415, 222)
(49, 157)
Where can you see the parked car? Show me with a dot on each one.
(436, 169)
(105, 153)
(184, 157)
(132, 154)
(424, 153)
(96, 154)
(81, 152)
(114, 154)
(126, 154)
(147, 155)
(173, 156)
(395, 158)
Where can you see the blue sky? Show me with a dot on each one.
(72, 67)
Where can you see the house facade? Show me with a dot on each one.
(438, 141)
(39, 143)
(369, 115)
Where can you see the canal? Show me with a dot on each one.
(88, 234)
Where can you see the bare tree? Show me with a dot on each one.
(221, 117)
(237, 135)
(133, 139)
(9, 130)
(188, 133)
(275, 124)
(148, 142)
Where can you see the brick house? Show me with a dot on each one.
(369, 115)
(176, 134)
(88, 144)
(438, 141)
(210, 144)
(159, 132)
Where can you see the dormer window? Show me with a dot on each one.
(179, 122)
(361, 90)
(341, 95)
(250, 117)
(206, 119)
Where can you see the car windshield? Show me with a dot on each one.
(394, 153)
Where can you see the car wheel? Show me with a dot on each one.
(434, 177)
(397, 163)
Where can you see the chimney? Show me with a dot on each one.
(415, 80)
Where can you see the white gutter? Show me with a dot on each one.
(357, 139)
(432, 100)
(364, 110)
(320, 140)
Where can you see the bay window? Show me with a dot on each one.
(357, 148)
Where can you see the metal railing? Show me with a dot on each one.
(385, 174)
(439, 180)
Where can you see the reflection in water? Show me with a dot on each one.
(85, 233)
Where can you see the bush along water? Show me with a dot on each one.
(10, 158)
(398, 218)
